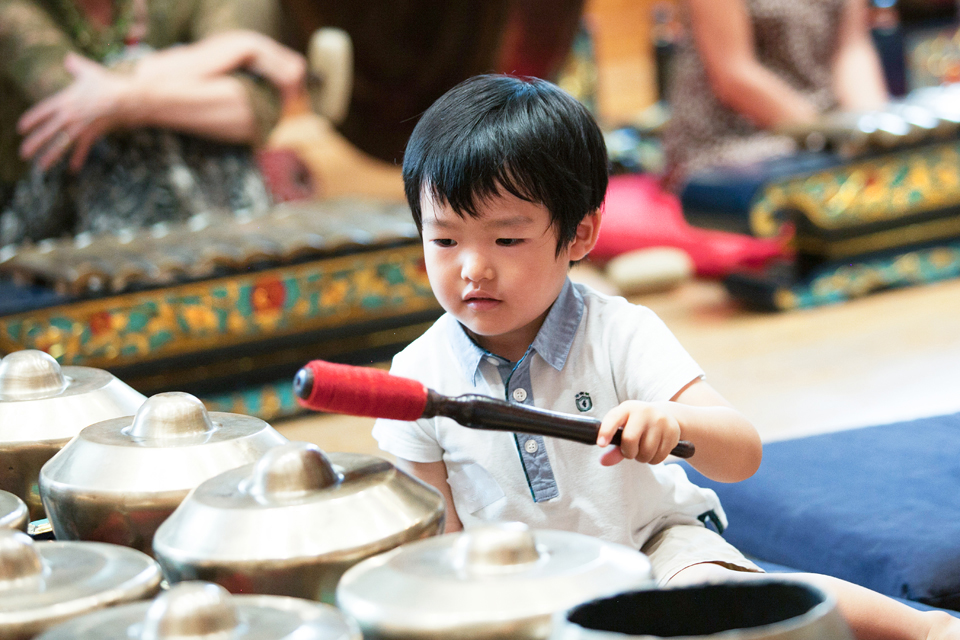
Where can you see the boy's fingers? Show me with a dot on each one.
(669, 438)
(649, 444)
(662, 453)
(609, 425)
(630, 440)
(611, 457)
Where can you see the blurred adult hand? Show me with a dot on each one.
(73, 119)
(223, 53)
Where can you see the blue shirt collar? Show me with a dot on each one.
(553, 341)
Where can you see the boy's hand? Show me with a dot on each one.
(650, 432)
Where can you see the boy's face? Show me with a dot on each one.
(499, 273)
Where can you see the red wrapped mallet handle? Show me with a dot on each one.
(363, 391)
(358, 391)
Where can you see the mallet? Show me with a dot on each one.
(363, 391)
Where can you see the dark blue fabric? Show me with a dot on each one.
(721, 197)
(878, 506)
(16, 298)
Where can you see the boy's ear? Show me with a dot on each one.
(587, 233)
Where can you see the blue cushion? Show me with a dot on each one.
(878, 506)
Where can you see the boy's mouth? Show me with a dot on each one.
(479, 300)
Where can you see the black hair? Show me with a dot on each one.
(521, 134)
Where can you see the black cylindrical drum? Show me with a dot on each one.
(763, 609)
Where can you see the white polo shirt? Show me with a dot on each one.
(592, 353)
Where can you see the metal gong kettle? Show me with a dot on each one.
(501, 581)
(45, 583)
(205, 611)
(294, 521)
(43, 406)
(119, 479)
(13, 512)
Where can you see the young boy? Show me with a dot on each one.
(506, 178)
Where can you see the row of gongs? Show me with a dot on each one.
(225, 504)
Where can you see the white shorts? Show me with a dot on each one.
(675, 548)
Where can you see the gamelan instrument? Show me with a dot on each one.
(42, 407)
(224, 306)
(762, 609)
(206, 246)
(118, 479)
(291, 523)
(496, 581)
(927, 115)
(871, 201)
(45, 583)
(364, 391)
(204, 611)
(13, 512)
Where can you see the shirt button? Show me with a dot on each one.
(519, 395)
(531, 446)
(493, 361)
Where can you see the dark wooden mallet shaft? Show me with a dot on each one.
(363, 391)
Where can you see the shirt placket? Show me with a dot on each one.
(533, 454)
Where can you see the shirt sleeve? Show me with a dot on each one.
(32, 49)
(413, 441)
(417, 440)
(649, 362)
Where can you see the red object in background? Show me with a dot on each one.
(638, 214)
(537, 37)
(287, 176)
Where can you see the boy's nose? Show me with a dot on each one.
(476, 267)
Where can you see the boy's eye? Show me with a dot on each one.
(509, 242)
(444, 242)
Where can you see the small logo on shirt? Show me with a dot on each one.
(584, 403)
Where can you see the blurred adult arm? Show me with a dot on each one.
(226, 52)
(225, 87)
(99, 101)
(723, 34)
(857, 74)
